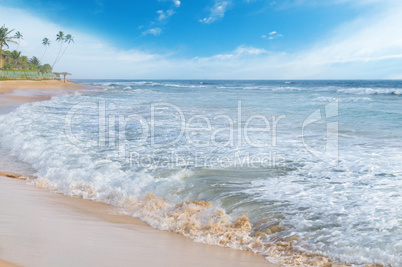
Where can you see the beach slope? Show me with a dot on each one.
(41, 228)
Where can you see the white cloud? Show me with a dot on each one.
(272, 35)
(162, 17)
(164, 14)
(249, 50)
(275, 36)
(241, 51)
(177, 3)
(217, 11)
(154, 31)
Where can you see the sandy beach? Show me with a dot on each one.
(6, 264)
(9, 86)
(42, 228)
(24, 91)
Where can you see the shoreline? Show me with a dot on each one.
(94, 222)
(41, 228)
(21, 91)
(9, 85)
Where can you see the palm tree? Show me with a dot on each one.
(68, 39)
(18, 36)
(24, 62)
(60, 38)
(5, 38)
(46, 43)
(35, 61)
(15, 55)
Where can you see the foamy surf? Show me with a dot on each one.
(203, 222)
(286, 201)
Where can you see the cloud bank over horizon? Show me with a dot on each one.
(365, 47)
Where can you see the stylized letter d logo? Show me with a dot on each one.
(330, 153)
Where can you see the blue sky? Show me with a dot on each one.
(173, 25)
(217, 39)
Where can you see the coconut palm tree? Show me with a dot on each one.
(5, 38)
(68, 39)
(35, 61)
(24, 62)
(18, 36)
(15, 56)
(46, 43)
(60, 38)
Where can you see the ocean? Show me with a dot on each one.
(301, 172)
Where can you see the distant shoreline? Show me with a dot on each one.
(9, 85)
(9, 90)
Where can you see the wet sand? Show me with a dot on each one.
(41, 228)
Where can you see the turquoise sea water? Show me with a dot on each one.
(315, 166)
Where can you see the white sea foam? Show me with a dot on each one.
(184, 85)
(302, 213)
(273, 88)
(370, 91)
(343, 99)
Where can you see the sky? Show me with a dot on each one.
(213, 39)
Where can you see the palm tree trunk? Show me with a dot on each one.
(43, 53)
(61, 47)
(63, 52)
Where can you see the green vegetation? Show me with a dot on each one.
(14, 61)
(24, 75)
(17, 65)
(6, 38)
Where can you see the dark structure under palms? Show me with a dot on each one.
(62, 73)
